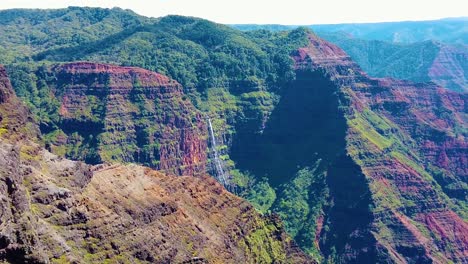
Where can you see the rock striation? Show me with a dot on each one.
(126, 114)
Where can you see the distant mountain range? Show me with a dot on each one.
(419, 51)
(448, 30)
(441, 63)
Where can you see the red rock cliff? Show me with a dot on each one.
(129, 114)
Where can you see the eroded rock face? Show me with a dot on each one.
(76, 212)
(5, 86)
(16, 123)
(408, 141)
(111, 113)
(20, 240)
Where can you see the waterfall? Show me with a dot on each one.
(221, 175)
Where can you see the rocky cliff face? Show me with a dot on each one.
(15, 119)
(5, 86)
(124, 114)
(58, 210)
(408, 142)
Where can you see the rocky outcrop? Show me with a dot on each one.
(389, 184)
(393, 153)
(25, 237)
(111, 113)
(16, 122)
(407, 140)
(5, 86)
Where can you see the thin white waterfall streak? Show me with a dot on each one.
(219, 167)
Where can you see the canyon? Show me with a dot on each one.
(58, 210)
(332, 165)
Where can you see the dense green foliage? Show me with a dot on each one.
(208, 59)
(197, 53)
(30, 83)
(24, 32)
(301, 204)
(225, 72)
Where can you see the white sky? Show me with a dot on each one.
(295, 12)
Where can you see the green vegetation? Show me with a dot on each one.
(254, 244)
(262, 196)
(24, 32)
(301, 203)
(369, 133)
(30, 83)
(3, 131)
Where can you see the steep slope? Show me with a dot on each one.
(365, 170)
(57, 210)
(432, 57)
(322, 194)
(231, 76)
(17, 124)
(103, 113)
(412, 154)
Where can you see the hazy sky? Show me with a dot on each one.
(273, 11)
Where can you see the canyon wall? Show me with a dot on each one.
(408, 141)
(110, 113)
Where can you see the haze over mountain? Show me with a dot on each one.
(260, 146)
(441, 63)
(448, 30)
